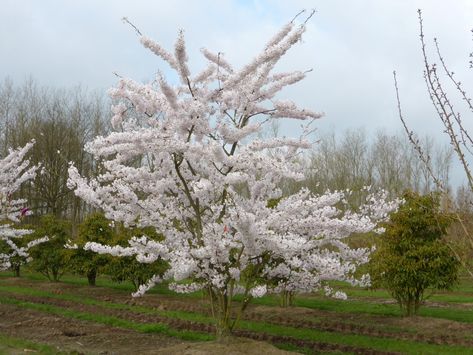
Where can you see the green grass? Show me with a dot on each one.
(102, 281)
(110, 320)
(461, 293)
(272, 329)
(7, 344)
(450, 313)
(452, 298)
(366, 302)
(189, 316)
(363, 341)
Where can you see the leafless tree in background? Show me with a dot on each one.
(387, 161)
(61, 121)
(436, 75)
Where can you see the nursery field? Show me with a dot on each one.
(70, 317)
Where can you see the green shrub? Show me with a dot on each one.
(51, 258)
(412, 257)
(95, 228)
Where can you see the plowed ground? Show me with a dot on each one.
(34, 310)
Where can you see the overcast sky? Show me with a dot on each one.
(352, 45)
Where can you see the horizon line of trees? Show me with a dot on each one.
(61, 121)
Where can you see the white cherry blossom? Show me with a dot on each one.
(14, 171)
(198, 171)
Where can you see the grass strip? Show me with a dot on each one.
(189, 316)
(460, 294)
(350, 306)
(455, 296)
(110, 320)
(102, 281)
(363, 341)
(7, 344)
(380, 309)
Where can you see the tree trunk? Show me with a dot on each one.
(287, 299)
(221, 311)
(55, 275)
(223, 333)
(16, 270)
(91, 276)
(410, 307)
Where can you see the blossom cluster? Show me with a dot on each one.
(14, 171)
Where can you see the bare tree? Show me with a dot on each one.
(454, 127)
(61, 122)
(436, 75)
(385, 161)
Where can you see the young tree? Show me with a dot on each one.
(14, 171)
(205, 179)
(96, 229)
(51, 258)
(412, 257)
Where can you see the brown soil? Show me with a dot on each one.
(77, 336)
(238, 346)
(194, 326)
(74, 335)
(437, 326)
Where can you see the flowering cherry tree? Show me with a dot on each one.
(206, 176)
(14, 171)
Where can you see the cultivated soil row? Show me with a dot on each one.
(89, 337)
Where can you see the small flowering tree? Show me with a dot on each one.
(14, 171)
(205, 180)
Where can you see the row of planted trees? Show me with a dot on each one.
(59, 254)
(411, 257)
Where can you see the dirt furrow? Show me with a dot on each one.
(180, 324)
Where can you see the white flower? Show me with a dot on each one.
(14, 171)
(258, 291)
(340, 295)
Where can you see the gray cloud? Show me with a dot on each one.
(353, 46)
